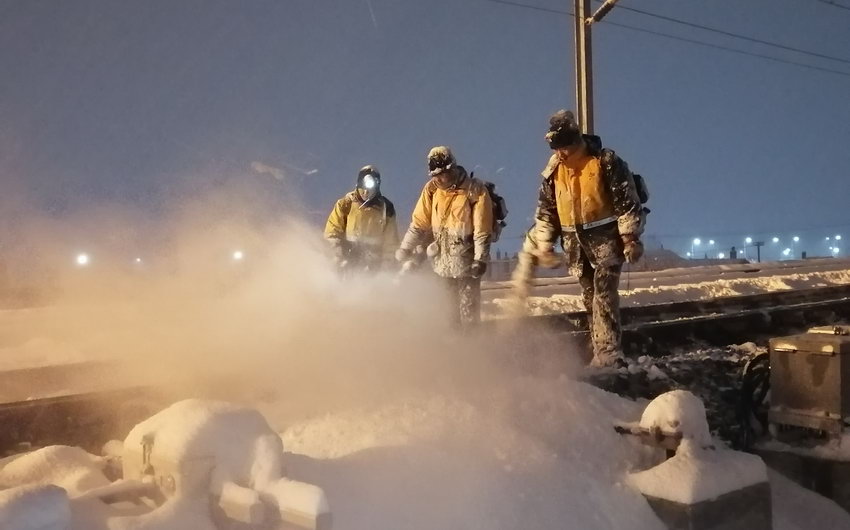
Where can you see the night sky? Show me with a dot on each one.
(117, 102)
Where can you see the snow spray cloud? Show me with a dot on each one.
(236, 290)
(404, 422)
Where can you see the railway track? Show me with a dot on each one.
(655, 329)
(87, 404)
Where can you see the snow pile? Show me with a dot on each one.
(678, 411)
(237, 440)
(68, 467)
(697, 472)
(699, 475)
(704, 290)
(533, 452)
(34, 508)
(220, 449)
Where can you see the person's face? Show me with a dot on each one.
(368, 187)
(446, 178)
(566, 152)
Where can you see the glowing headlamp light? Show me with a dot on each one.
(369, 182)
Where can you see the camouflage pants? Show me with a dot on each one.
(598, 266)
(465, 300)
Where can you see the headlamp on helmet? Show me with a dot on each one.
(369, 183)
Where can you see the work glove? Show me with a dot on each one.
(477, 269)
(548, 258)
(632, 249)
(402, 255)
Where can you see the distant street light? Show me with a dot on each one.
(721, 255)
(786, 252)
(838, 238)
(747, 242)
(711, 242)
(82, 259)
(776, 239)
(796, 239)
(836, 250)
(238, 255)
(695, 243)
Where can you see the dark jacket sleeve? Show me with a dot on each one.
(547, 226)
(627, 205)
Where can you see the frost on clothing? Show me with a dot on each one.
(589, 202)
(459, 221)
(561, 203)
(465, 294)
(364, 234)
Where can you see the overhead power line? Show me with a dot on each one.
(833, 3)
(728, 49)
(678, 38)
(621, 7)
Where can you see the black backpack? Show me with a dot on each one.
(500, 209)
(642, 191)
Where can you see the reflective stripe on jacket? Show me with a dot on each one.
(581, 193)
(613, 194)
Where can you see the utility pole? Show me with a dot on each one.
(584, 66)
(584, 59)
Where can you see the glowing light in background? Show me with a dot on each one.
(82, 259)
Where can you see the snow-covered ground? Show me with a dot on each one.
(535, 452)
(403, 422)
(681, 288)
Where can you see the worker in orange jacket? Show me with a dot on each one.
(362, 228)
(588, 200)
(454, 217)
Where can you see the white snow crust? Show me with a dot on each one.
(690, 289)
(71, 468)
(245, 449)
(697, 472)
(678, 411)
(697, 475)
(34, 507)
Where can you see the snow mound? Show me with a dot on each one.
(71, 468)
(695, 476)
(246, 451)
(34, 507)
(531, 453)
(678, 411)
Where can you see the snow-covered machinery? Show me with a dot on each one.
(810, 380)
(229, 454)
